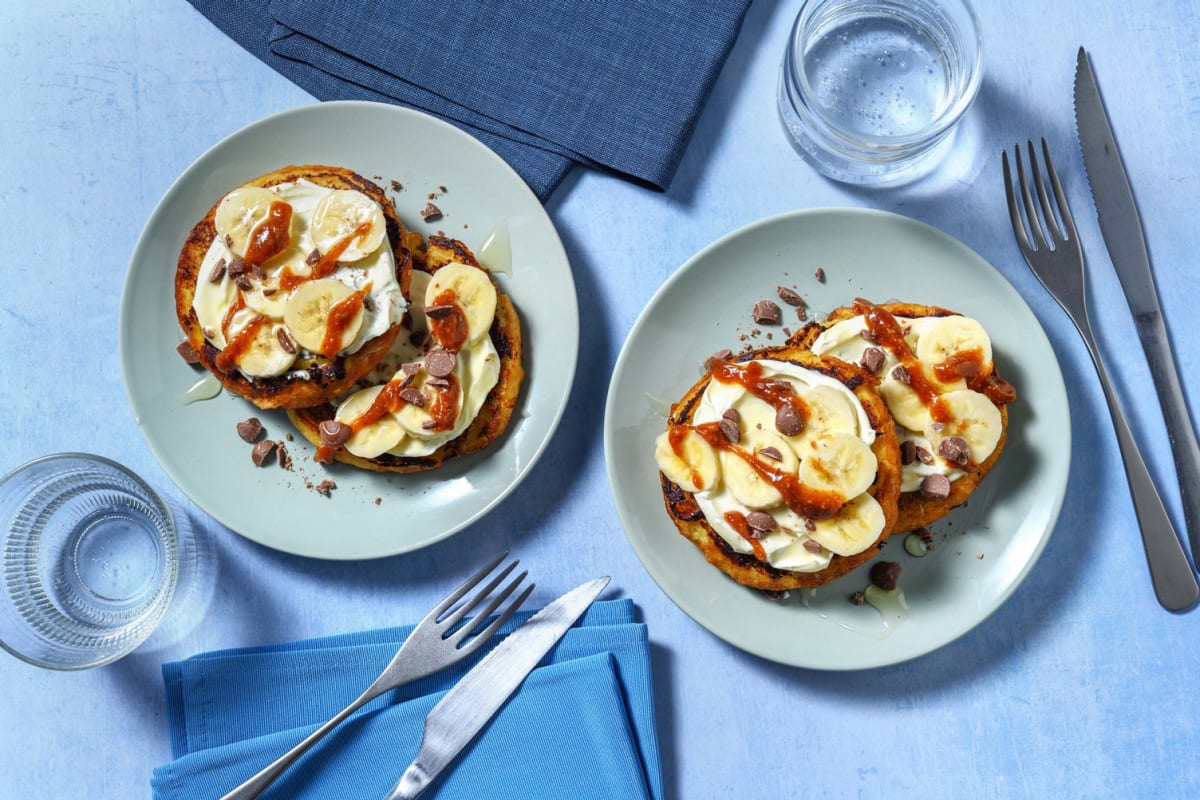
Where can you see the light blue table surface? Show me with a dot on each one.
(1080, 686)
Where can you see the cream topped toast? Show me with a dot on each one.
(782, 467)
(446, 387)
(293, 286)
(938, 379)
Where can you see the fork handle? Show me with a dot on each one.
(1182, 435)
(1174, 582)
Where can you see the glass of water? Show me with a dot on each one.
(90, 561)
(870, 90)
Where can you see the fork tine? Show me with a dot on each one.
(1063, 208)
(1030, 211)
(1052, 230)
(460, 638)
(457, 616)
(1013, 212)
(465, 587)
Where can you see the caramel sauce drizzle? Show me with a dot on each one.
(236, 347)
(773, 391)
(451, 330)
(326, 265)
(341, 314)
(887, 332)
(271, 236)
(737, 521)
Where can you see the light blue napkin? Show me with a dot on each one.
(581, 726)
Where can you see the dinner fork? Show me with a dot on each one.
(1056, 258)
(436, 642)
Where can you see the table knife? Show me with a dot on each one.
(468, 707)
(1122, 230)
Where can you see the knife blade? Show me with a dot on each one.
(468, 707)
(1121, 226)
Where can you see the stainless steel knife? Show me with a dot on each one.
(464, 711)
(1122, 230)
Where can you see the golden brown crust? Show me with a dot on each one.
(915, 511)
(745, 568)
(327, 377)
(497, 409)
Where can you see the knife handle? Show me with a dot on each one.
(1170, 573)
(1180, 431)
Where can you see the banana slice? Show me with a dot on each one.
(267, 298)
(347, 214)
(853, 529)
(744, 483)
(839, 462)
(946, 336)
(974, 419)
(265, 357)
(371, 440)
(240, 212)
(904, 404)
(829, 411)
(307, 313)
(470, 289)
(694, 468)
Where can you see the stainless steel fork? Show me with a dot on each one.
(1056, 258)
(435, 643)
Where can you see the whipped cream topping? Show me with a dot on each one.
(383, 301)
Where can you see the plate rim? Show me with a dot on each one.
(153, 221)
(624, 513)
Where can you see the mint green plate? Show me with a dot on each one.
(197, 444)
(983, 551)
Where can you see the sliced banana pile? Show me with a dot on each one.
(735, 460)
(323, 284)
(963, 413)
(428, 389)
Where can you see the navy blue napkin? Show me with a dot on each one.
(616, 85)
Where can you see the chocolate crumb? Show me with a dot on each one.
(289, 437)
(283, 456)
(885, 574)
(854, 382)
(441, 188)
(250, 429)
(820, 274)
(325, 487)
(397, 186)
(379, 500)
(313, 257)
(261, 452)
(431, 212)
(188, 352)
(766, 312)
(789, 297)
(857, 599)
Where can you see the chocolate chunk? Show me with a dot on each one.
(442, 188)
(809, 525)
(313, 257)
(428, 425)
(935, 487)
(257, 272)
(857, 599)
(789, 297)
(813, 546)
(250, 429)
(285, 340)
(217, 273)
(723, 354)
(431, 212)
(188, 353)
(908, 452)
(438, 383)
(411, 368)
(801, 314)
(924, 456)
(820, 274)
(282, 455)
(236, 268)
(885, 574)
(732, 415)
(872, 360)
(413, 397)
(437, 312)
(900, 374)
(397, 186)
(440, 362)
(787, 421)
(955, 449)
(243, 283)
(771, 453)
(766, 313)
(325, 487)
(334, 433)
(730, 430)
(261, 452)
(760, 521)
(866, 335)
(269, 291)
(1000, 391)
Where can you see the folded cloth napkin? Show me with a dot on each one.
(617, 85)
(582, 724)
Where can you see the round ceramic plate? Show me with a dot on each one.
(983, 550)
(368, 515)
